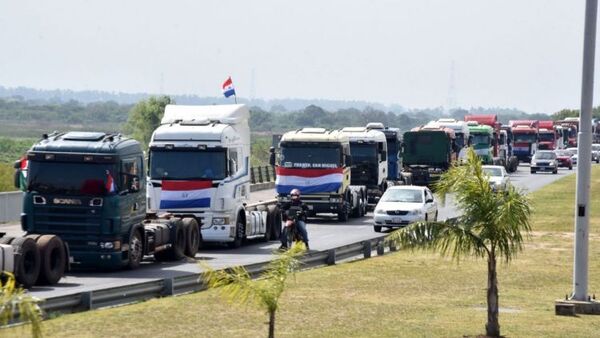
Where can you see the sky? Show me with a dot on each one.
(511, 53)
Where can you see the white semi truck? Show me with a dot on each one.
(199, 160)
(318, 162)
(369, 161)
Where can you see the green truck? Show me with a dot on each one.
(482, 139)
(89, 189)
(427, 152)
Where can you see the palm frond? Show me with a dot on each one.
(234, 284)
(451, 237)
(15, 300)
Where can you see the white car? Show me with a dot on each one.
(404, 204)
(573, 152)
(498, 177)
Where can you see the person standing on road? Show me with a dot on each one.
(300, 224)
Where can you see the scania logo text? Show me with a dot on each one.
(69, 201)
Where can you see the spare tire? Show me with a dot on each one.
(27, 267)
(192, 236)
(53, 259)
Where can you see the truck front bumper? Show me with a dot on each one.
(96, 259)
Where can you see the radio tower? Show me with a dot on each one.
(451, 102)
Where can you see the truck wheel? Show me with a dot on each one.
(53, 259)
(192, 236)
(6, 239)
(136, 250)
(27, 267)
(274, 216)
(239, 236)
(343, 214)
(377, 228)
(356, 211)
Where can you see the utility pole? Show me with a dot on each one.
(584, 151)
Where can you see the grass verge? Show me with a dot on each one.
(405, 294)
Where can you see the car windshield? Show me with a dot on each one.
(545, 156)
(403, 195)
(188, 165)
(310, 156)
(493, 171)
(72, 178)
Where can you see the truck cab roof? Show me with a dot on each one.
(364, 134)
(314, 135)
(86, 143)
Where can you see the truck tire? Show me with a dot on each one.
(6, 240)
(177, 249)
(343, 214)
(274, 215)
(239, 235)
(136, 250)
(27, 267)
(356, 210)
(53, 259)
(192, 236)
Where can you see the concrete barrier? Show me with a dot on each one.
(11, 205)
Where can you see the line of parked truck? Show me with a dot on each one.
(95, 200)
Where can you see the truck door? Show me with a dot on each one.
(132, 191)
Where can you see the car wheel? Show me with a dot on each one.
(555, 171)
(377, 228)
(533, 171)
(570, 167)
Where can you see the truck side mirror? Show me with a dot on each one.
(17, 179)
(272, 156)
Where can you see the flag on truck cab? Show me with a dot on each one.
(309, 181)
(110, 182)
(228, 88)
(23, 173)
(186, 194)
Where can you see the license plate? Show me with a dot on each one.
(396, 219)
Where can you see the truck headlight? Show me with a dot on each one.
(220, 220)
(116, 245)
(335, 200)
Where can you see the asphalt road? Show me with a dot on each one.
(324, 233)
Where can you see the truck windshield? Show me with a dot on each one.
(481, 139)
(529, 138)
(460, 140)
(363, 152)
(72, 178)
(546, 137)
(310, 156)
(188, 164)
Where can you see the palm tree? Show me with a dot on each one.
(14, 300)
(236, 285)
(490, 227)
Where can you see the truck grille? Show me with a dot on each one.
(81, 220)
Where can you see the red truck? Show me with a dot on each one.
(547, 135)
(526, 135)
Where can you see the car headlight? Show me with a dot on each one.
(415, 212)
(220, 220)
(534, 164)
(379, 211)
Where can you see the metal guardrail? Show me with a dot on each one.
(262, 174)
(11, 203)
(191, 283)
